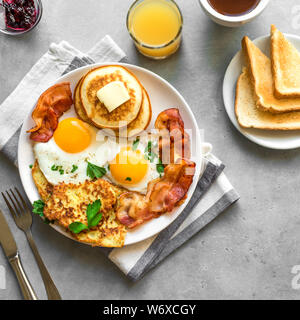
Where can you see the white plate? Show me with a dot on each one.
(266, 138)
(162, 96)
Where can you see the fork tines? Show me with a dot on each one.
(17, 206)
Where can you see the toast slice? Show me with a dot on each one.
(261, 75)
(285, 66)
(249, 116)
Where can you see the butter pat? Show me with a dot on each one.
(113, 95)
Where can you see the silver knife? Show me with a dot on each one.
(10, 249)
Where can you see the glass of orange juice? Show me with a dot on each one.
(155, 27)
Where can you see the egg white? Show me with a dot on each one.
(100, 152)
(49, 154)
(152, 172)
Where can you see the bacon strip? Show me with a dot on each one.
(50, 106)
(163, 194)
(174, 142)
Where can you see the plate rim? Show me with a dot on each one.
(228, 106)
(152, 75)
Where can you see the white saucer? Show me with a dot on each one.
(266, 138)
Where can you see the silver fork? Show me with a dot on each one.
(23, 219)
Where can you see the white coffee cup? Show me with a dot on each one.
(232, 21)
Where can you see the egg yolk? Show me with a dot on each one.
(72, 135)
(129, 166)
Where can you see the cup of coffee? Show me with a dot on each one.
(232, 13)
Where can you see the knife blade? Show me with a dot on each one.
(7, 240)
(10, 249)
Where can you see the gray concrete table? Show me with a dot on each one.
(248, 252)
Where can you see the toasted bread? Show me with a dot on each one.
(262, 78)
(285, 66)
(249, 116)
(96, 111)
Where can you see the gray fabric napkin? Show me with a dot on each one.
(213, 189)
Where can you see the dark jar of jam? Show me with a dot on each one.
(19, 16)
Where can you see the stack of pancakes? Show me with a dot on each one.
(128, 119)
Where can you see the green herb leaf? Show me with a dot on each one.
(77, 227)
(148, 153)
(93, 217)
(94, 222)
(92, 213)
(38, 207)
(160, 167)
(94, 171)
(150, 156)
(54, 168)
(135, 143)
(30, 166)
(61, 171)
(128, 179)
(149, 147)
(74, 168)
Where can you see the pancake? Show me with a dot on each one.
(139, 124)
(96, 111)
(67, 203)
(78, 105)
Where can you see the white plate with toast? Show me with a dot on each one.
(274, 139)
(162, 96)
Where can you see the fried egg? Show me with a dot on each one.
(64, 158)
(134, 167)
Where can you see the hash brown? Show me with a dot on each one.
(67, 203)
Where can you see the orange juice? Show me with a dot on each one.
(155, 26)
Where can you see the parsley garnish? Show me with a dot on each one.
(94, 171)
(148, 148)
(56, 168)
(38, 208)
(77, 227)
(149, 154)
(93, 218)
(74, 168)
(128, 179)
(135, 143)
(30, 166)
(160, 167)
(92, 213)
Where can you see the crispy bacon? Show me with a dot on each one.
(172, 187)
(163, 194)
(133, 210)
(50, 106)
(174, 142)
(170, 190)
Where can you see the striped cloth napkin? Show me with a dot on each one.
(213, 189)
